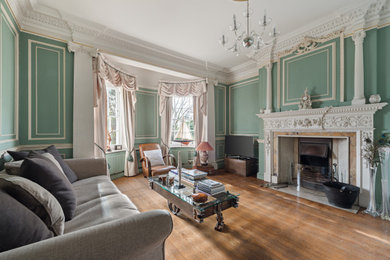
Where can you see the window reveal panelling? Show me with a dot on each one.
(146, 115)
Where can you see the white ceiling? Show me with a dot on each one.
(193, 27)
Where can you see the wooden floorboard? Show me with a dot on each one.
(267, 225)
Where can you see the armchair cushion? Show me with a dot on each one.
(161, 169)
(155, 157)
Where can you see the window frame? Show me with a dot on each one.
(118, 116)
(174, 144)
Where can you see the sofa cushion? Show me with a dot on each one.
(20, 155)
(49, 177)
(72, 177)
(13, 167)
(36, 199)
(93, 188)
(19, 226)
(101, 210)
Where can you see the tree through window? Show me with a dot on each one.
(182, 133)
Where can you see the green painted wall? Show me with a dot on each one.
(221, 122)
(315, 71)
(46, 92)
(243, 107)
(9, 88)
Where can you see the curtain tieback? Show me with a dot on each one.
(130, 157)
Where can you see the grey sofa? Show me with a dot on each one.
(106, 225)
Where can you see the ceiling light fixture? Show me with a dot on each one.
(248, 39)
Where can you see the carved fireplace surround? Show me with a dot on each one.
(353, 123)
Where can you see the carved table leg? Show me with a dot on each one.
(220, 224)
(173, 208)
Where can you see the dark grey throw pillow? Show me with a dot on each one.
(67, 170)
(19, 226)
(21, 155)
(46, 174)
(35, 198)
(18, 155)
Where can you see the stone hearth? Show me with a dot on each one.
(347, 126)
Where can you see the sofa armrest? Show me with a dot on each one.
(141, 236)
(88, 167)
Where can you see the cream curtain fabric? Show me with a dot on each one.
(200, 121)
(128, 117)
(166, 121)
(104, 70)
(198, 90)
(100, 112)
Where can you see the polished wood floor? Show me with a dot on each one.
(267, 225)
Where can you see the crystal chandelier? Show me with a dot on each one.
(248, 39)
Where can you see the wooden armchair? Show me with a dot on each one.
(149, 170)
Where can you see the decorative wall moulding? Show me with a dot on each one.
(75, 47)
(32, 19)
(370, 15)
(329, 118)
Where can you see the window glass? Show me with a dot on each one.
(182, 133)
(113, 115)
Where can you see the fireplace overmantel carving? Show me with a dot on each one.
(328, 118)
(355, 122)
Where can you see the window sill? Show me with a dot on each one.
(182, 146)
(115, 151)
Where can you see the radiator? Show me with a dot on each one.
(116, 162)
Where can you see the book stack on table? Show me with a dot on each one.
(211, 187)
(191, 176)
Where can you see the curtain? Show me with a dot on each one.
(166, 121)
(105, 70)
(100, 112)
(128, 119)
(195, 88)
(200, 122)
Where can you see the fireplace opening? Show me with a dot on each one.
(315, 158)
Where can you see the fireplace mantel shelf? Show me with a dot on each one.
(367, 108)
(345, 118)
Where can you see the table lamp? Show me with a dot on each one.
(203, 149)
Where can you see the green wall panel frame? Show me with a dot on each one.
(220, 110)
(9, 80)
(147, 117)
(46, 91)
(315, 71)
(243, 107)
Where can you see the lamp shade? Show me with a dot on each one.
(204, 146)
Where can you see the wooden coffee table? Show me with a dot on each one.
(180, 200)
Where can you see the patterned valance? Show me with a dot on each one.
(115, 76)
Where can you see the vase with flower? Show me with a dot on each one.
(372, 153)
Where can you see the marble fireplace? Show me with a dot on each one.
(343, 128)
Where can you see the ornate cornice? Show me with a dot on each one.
(53, 24)
(75, 47)
(369, 15)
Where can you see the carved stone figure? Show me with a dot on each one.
(305, 102)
